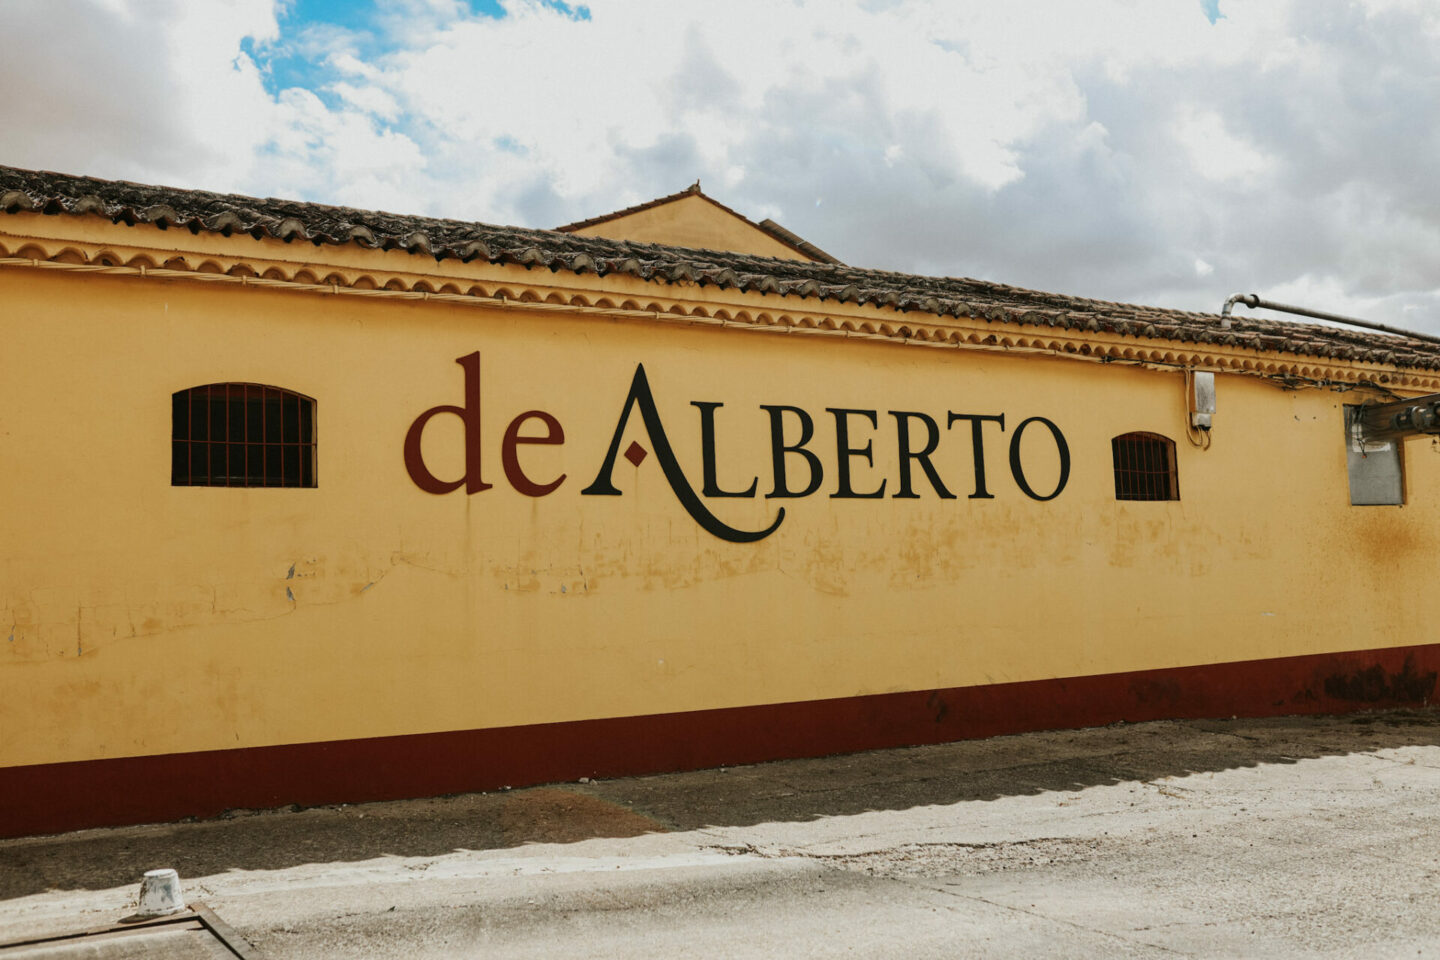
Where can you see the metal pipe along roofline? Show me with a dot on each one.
(1253, 300)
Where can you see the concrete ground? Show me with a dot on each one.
(1250, 838)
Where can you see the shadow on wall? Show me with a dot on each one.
(786, 791)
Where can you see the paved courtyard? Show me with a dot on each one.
(1242, 838)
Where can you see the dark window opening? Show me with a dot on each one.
(241, 435)
(1145, 467)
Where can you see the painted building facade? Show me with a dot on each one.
(304, 504)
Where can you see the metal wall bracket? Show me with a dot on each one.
(1399, 419)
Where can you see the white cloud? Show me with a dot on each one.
(1215, 153)
(370, 100)
(1116, 149)
(349, 64)
(159, 91)
(341, 155)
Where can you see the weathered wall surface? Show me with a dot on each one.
(137, 618)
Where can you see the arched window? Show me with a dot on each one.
(241, 435)
(1145, 467)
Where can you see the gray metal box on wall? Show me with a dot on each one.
(1377, 477)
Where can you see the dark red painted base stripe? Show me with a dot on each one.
(49, 798)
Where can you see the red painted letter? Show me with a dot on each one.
(555, 435)
(469, 414)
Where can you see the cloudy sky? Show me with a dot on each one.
(1157, 151)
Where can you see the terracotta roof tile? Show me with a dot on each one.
(291, 221)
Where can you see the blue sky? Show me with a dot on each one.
(361, 25)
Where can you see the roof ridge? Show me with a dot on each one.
(692, 190)
(768, 227)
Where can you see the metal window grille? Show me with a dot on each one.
(1145, 467)
(242, 435)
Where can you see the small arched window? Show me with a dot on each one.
(1145, 467)
(241, 435)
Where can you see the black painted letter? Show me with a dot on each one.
(843, 453)
(932, 440)
(778, 449)
(604, 485)
(1019, 472)
(978, 442)
(707, 449)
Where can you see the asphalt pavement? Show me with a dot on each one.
(1290, 837)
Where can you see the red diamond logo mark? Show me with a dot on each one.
(635, 453)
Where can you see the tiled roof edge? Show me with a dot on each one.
(799, 243)
(290, 221)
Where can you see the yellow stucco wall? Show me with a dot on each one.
(139, 618)
(692, 221)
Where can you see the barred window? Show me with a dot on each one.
(242, 435)
(1145, 467)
